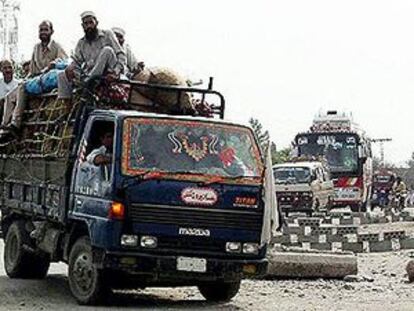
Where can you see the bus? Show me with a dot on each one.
(347, 151)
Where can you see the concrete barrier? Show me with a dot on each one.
(311, 264)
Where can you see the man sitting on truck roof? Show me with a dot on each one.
(98, 53)
(44, 57)
(7, 85)
(132, 64)
(9, 82)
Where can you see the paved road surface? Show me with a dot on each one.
(389, 291)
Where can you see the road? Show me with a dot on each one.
(388, 291)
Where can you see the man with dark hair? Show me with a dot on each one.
(103, 154)
(26, 68)
(47, 51)
(97, 54)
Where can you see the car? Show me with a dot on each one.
(303, 187)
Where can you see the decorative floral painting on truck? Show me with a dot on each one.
(190, 150)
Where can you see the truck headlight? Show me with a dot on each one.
(148, 241)
(129, 240)
(250, 248)
(233, 247)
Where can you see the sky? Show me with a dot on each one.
(278, 61)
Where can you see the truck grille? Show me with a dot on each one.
(197, 217)
(193, 244)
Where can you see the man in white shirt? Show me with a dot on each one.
(102, 156)
(132, 63)
(8, 83)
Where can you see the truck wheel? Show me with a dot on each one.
(18, 262)
(87, 283)
(219, 291)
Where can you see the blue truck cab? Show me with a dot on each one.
(180, 201)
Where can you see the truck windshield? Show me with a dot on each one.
(292, 175)
(340, 150)
(194, 147)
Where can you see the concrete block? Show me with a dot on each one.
(356, 221)
(347, 221)
(291, 229)
(334, 238)
(381, 246)
(279, 239)
(407, 243)
(323, 229)
(342, 230)
(336, 221)
(327, 220)
(319, 214)
(351, 238)
(311, 265)
(307, 230)
(340, 214)
(308, 239)
(336, 246)
(394, 235)
(369, 237)
(357, 247)
(322, 238)
(309, 221)
(321, 246)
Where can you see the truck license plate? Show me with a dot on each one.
(191, 264)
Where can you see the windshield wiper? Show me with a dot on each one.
(218, 179)
(145, 175)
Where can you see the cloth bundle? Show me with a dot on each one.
(164, 101)
(45, 82)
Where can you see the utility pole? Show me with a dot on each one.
(9, 28)
(381, 142)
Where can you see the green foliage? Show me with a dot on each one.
(281, 156)
(262, 136)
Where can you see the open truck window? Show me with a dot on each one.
(96, 159)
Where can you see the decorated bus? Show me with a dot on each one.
(347, 151)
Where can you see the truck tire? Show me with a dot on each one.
(219, 291)
(18, 262)
(88, 284)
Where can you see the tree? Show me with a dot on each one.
(261, 135)
(282, 155)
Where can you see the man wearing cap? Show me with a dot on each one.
(131, 61)
(97, 54)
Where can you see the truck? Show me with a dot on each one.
(347, 150)
(303, 186)
(183, 202)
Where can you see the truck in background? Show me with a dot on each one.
(347, 151)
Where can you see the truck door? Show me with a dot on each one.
(93, 173)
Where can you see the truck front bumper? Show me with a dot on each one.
(164, 267)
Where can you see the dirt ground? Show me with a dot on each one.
(389, 290)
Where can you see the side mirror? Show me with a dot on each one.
(361, 153)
